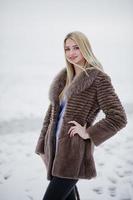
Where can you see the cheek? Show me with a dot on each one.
(67, 53)
(78, 52)
(80, 55)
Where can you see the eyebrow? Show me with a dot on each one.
(72, 46)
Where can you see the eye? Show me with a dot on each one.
(76, 47)
(67, 49)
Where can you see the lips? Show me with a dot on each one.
(72, 58)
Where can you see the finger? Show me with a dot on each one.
(70, 129)
(85, 124)
(72, 133)
(73, 122)
(76, 124)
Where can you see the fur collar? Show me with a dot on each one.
(78, 84)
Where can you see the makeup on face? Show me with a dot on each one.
(73, 52)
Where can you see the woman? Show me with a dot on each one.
(67, 139)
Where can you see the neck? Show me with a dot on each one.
(77, 70)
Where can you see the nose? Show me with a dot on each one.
(71, 52)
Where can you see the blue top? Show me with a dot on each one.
(60, 118)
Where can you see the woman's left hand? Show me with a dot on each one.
(78, 129)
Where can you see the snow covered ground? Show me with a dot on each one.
(23, 175)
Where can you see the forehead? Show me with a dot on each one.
(70, 42)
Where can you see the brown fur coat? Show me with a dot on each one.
(86, 97)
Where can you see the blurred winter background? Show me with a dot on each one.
(31, 53)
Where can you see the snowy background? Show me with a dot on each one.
(31, 53)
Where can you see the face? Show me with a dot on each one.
(73, 52)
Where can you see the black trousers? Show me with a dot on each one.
(61, 189)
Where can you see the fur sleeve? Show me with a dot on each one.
(115, 117)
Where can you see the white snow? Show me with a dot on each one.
(23, 174)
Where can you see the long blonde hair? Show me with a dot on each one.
(91, 61)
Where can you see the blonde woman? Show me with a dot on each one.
(68, 136)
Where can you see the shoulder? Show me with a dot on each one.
(61, 73)
(104, 82)
(102, 77)
(58, 78)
